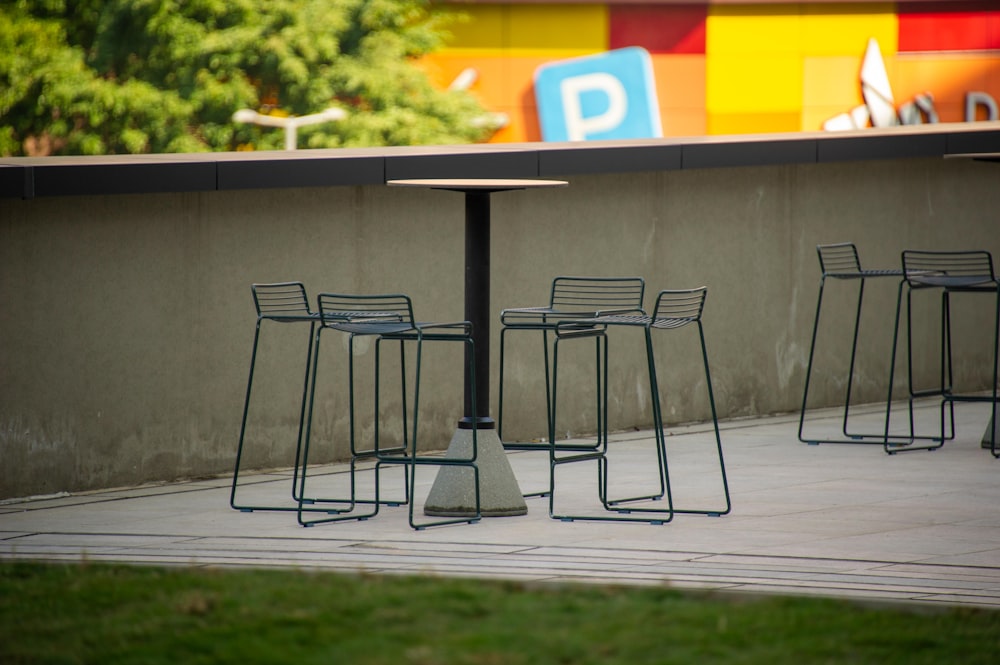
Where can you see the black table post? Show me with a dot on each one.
(453, 492)
(477, 306)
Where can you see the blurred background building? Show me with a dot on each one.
(731, 67)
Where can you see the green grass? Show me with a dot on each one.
(107, 614)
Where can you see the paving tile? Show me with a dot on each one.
(828, 520)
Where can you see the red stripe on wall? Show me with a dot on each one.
(949, 26)
(658, 28)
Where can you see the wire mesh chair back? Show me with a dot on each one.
(948, 268)
(674, 309)
(570, 299)
(839, 259)
(281, 301)
(678, 308)
(366, 314)
(389, 317)
(593, 295)
(969, 271)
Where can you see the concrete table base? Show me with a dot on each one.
(453, 492)
(987, 443)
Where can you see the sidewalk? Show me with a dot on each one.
(828, 520)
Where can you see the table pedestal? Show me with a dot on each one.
(988, 434)
(453, 492)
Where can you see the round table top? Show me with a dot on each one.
(467, 184)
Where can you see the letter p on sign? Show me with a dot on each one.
(606, 96)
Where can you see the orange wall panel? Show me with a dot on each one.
(682, 122)
(948, 78)
(680, 81)
(833, 81)
(941, 75)
(680, 89)
(733, 68)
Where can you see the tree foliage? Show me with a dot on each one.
(133, 76)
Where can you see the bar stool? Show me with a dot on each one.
(387, 317)
(676, 309)
(949, 272)
(597, 451)
(570, 298)
(285, 303)
(840, 261)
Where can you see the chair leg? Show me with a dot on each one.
(951, 375)
(525, 446)
(596, 453)
(549, 407)
(243, 425)
(500, 396)
(503, 340)
(870, 438)
(887, 446)
(296, 498)
(856, 437)
(715, 423)
(947, 369)
(907, 444)
(712, 512)
(659, 441)
(339, 514)
(414, 459)
(660, 427)
(809, 365)
(377, 449)
(302, 414)
(994, 444)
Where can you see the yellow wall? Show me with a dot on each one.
(777, 67)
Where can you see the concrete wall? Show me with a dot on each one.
(127, 320)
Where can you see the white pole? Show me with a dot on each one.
(290, 124)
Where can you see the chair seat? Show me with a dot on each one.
(570, 299)
(840, 261)
(963, 271)
(621, 320)
(979, 282)
(674, 309)
(660, 322)
(369, 328)
(280, 302)
(389, 318)
(864, 272)
(534, 316)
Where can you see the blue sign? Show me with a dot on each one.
(607, 96)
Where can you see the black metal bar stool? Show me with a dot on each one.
(840, 261)
(676, 309)
(570, 298)
(947, 272)
(280, 302)
(387, 317)
(562, 453)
